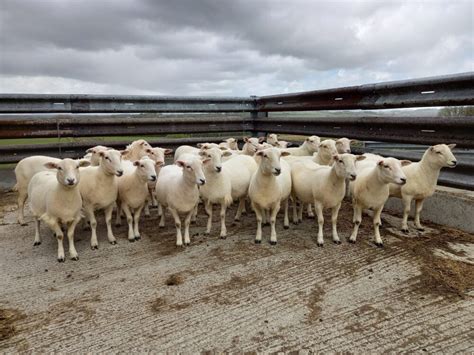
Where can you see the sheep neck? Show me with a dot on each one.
(429, 169)
(105, 173)
(335, 178)
(375, 182)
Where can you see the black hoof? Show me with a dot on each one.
(36, 244)
(321, 245)
(193, 222)
(94, 247)
(76, 258)
(286, 227)
(405, 230)
(337, 242)
(379, 245)
(420, 229)
(234, 223)
(273, 242)
(138, 237)
(258, 241)
(61, 260)
(223, 237)
(351, 241)
(296, 223)
(113, 242)
(132, 240)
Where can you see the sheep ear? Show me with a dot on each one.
(360, 157)
(136, 163)
(90, 150)
(405, 162)
(285, 154)
(207, 160)
(148, 150)
(259, 153)
(431, 149)
(123, 152)
(246, 139)
(223, 148)
(335, 157)
(451, 146)
(51, 165)
(202, 153)
(380, 163)
(338, 142)
(180, 163)
(83, 162)
(102, 153)
(226, 154)
(159, 163)
(199, 145)
(142, 143)
(261, 139)
(168, 151)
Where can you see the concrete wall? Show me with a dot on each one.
(448, 206)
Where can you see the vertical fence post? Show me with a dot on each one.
(255, 114)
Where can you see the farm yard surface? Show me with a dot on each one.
(217, 295)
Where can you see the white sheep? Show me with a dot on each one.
(99, 190)
(136, 150)
(343, 145)
(309, 147)
(422, 178)
(218, 188)
(270, 185)
(326, 151)
(325, 186)
(55, 199)
(284, 144)
(24, 171)
(187, 149)
(229, 143)
(133, 194)
(93, 154)
(177, 190)
(272, 139)
(371, 189)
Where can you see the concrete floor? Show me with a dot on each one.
(232, 295)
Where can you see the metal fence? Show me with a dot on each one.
(61, 116)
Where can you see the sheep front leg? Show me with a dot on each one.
(258, 214)
(162, 220)
(136, 220)
(286, 220)
(208, 208)
(108, 222)
(160, 209)
(273, 214)
(377, 223)
(128, 214)
(70, 236)
(93, 223)
(21, 206)
(118, 219)
(240, 209)
(295, 210)
(37, 232)
(300, 212)
(187, 222)
(418, 208)
(54, 225)
(147, 209)
(357, 219)
(177, 223)
(319, 212)
(334, 215)
(310, 211)
(406, 211)
(222, 215)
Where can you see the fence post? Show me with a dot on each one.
(255, 115)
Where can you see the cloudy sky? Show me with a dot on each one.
(235, 47)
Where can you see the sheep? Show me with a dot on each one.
(218, 187)
(283, 144)
(240, 169)
(99, 190)
(421, 180)
(93, 154)
(136, 150)
(272, 139)
(229, 143)
(187, 149)
(24, 171)
(177, 190)
(309, 146)
(325, 186)
(343, 145)
(55, 199)
(133, 193)
(270, 185)
(326, 151)
(371, 189)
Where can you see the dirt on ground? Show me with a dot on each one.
(415, 294)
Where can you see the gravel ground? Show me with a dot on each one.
(231, 295)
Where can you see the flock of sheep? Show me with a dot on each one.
(318, 174)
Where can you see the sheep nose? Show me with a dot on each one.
(454, 162)
(403, 180)
(353, 176)
(153, 178)
(278, 170)
(70, 181)
(119, 172)
(202, 181)
(218, 168)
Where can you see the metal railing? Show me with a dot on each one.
(61, 116)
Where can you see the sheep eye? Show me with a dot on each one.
(189, 167)
(59, 168)
(386, 166)
(438, 153)
(340, 161)
(142, 166)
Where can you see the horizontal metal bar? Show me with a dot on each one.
(86, 126)
(26, 103)
(459, 177)
(419, 130)
(14, 153)
(449, 90)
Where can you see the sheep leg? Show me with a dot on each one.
(154, 201)
(136, 220)
(162, 219)
(54, 225)
(194, 214)
(406, 211)
(273, 214)
(300, 212)
(160, 209)
(37, 231)
(177, 223)
(244, 206)
(128, 213)
(286, 220)
(357, 219)
(319, 212)
(187, 222)
(208, 208)
(70, 236)
(147, 209)
(108, 222)
(240, 209)
(334, 215)
(295, 210)
(310, 211)
(93, 223)
(21, 206)
(418, 208)
(118, 219)
(377, 223)
(222, 215)
(258, 214)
